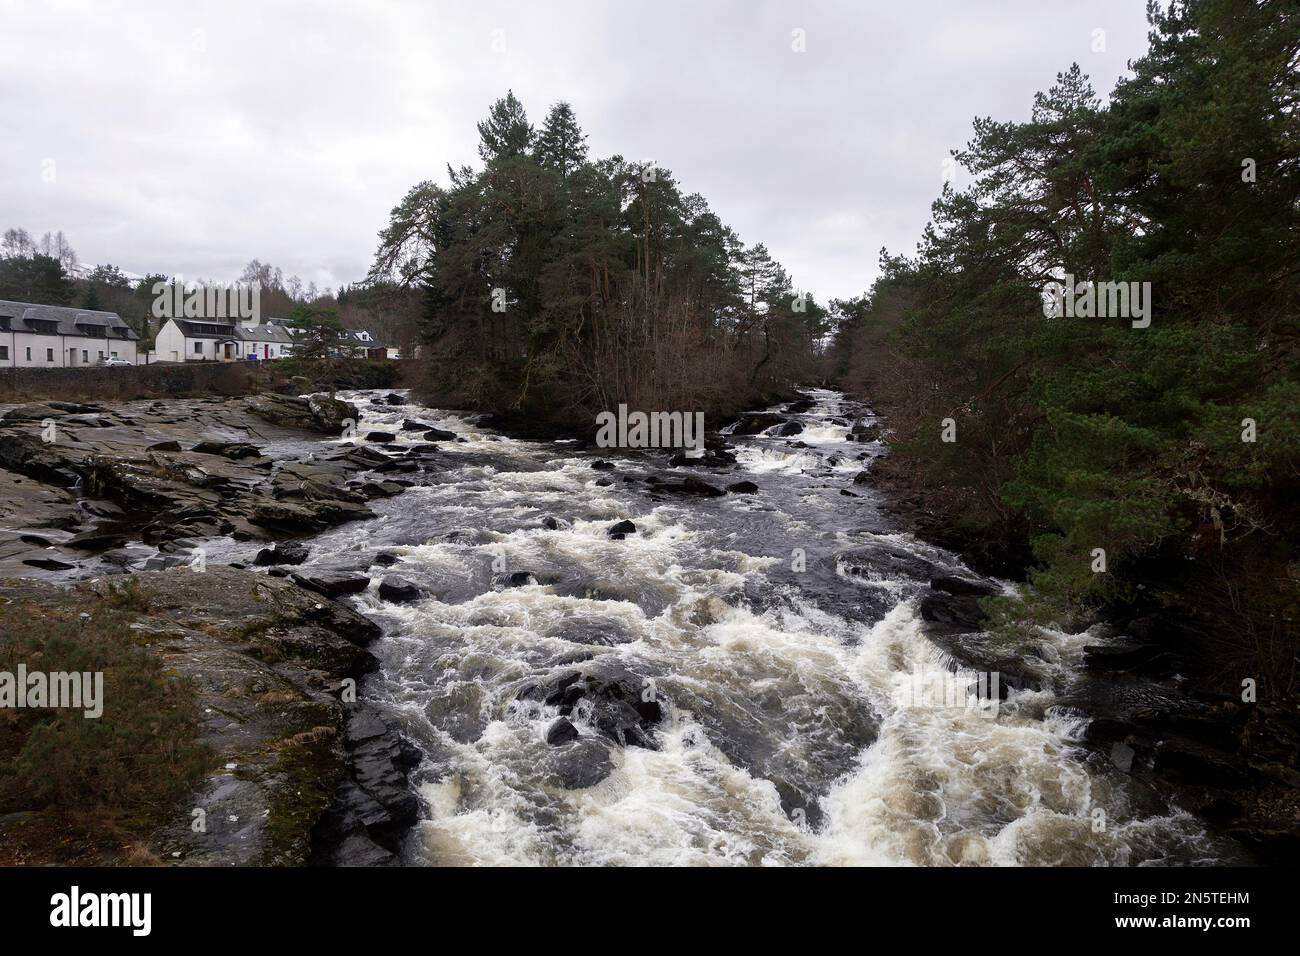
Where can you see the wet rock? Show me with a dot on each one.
(164, 446)
(399, 590)
(48, 564)
(603, 482)
(234, 450)
(383, 489)
(743, 488)
(883, 562)
(333, 585)
(862, 478)
(286, 553)
(373, 805)
(690, 486)
(411, 425)
(622, 528)
(381, 438)
(513, 579)
(789, 429)
(32, 413)
(864, 432)
(561, 732)
(619, 704)
(1150, 660)
(800, 407)
(394, 399)
(755, 424)
(385, 559)
(580, 764)
(317, 413)
(439, 434)
(954, 585)
(602, 465)
(960, 611)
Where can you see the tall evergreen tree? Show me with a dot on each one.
(506, 132)
(561, 144)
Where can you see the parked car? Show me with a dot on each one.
(115, 362)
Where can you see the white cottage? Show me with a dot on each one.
(221, 340)
(54, 336)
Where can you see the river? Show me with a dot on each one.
(803, 716)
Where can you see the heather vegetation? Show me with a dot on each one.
(131, 763)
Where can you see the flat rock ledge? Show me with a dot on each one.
(300, 775)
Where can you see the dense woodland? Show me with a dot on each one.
(554, 285)
(1076, 434)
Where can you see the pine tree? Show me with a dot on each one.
(561, 145)
(506, 132)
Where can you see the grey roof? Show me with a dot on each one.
(265, 333)
(354, 337)
(67, 319)
(198, 329)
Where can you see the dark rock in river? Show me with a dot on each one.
(399, 590)
(789, 429)
(960, 611)
(624, 527)
(373, 806)
(315, 413)
(954, 585)
(755, 424)
(333, 585)
(690, 486)
(580, 764)
(743, 488)
(561, 732)
(620, 705)
(286, 553)
(439, 434)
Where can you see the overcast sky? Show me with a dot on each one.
(190, 137)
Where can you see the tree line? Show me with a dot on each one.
(554, 285)
(47, 272)
(1154, 466)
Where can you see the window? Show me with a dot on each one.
(4, 352)
(85, 357)
(113, 354)
(29, 353)
(49, 355)
(198, 348)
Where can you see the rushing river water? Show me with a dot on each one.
(792, 729)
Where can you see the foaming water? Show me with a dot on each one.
(806, 719)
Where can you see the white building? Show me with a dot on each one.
(220, 340)
(52, 336)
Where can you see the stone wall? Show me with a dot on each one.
(137, 381)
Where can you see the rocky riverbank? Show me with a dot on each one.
(1160, 709)
(303, 770)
